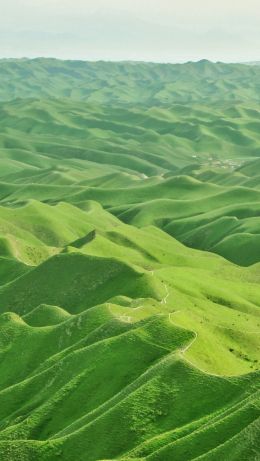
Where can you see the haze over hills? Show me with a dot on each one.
(129, 261)
(128, 82)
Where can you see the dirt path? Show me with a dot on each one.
(186, 348)
(164, 300)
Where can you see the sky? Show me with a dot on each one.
(142, 30)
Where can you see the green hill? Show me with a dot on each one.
(129, 261)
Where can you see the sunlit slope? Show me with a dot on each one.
(35, 231)
(130, 337)
(108, 259)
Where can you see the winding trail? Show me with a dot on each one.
(186, 348)
(164, 300)
(123, 318)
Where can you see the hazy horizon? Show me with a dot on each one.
(28, 58)
(165, 31)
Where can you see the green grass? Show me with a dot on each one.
(129, 261)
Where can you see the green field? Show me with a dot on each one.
(129, 261)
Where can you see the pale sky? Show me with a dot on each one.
(149, 30)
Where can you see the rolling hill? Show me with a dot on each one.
(129, 261)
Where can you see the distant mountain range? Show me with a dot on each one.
(128, 83)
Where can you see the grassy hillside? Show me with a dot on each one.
(129, 261)
(129, 158)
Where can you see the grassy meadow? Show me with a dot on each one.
(129, 261)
